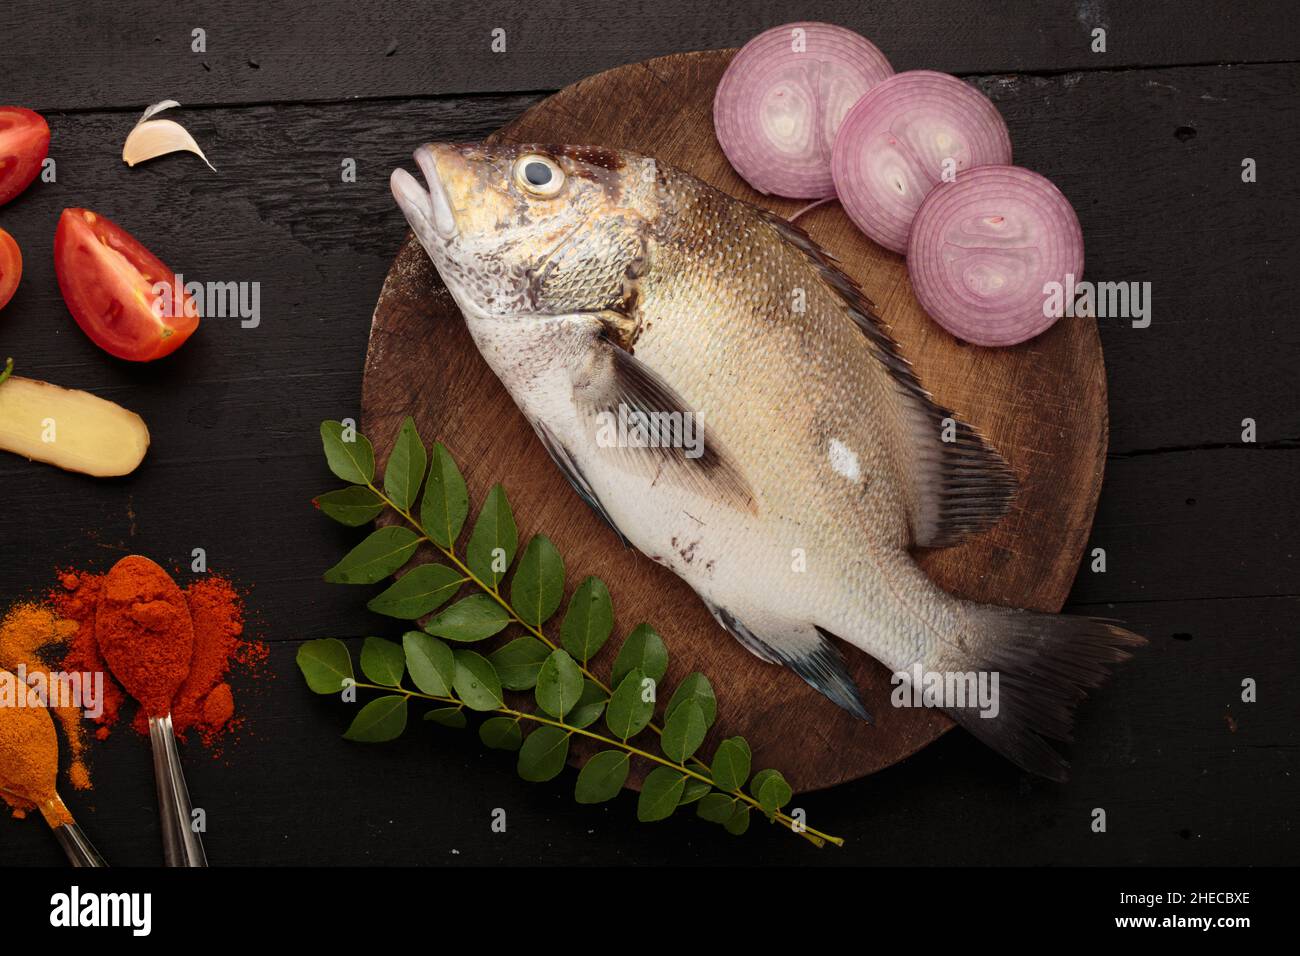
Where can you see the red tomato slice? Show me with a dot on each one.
(24, 142)
(11, 267)
(108, 281)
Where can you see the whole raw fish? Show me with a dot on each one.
(722, 394)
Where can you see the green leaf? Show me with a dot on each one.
(716, 808)
(453, 717)
(589, 707)
(446, 499)
(602, 777)
(405, 468)
(354, 505)
(543, 754)
(432, 666)
(684, 731)
(644, 648)
(588, 620)
(493, 541)
(382, 719)
(738, 823)
(695, 790)
(375, 558)
(627, 713)
(476, 681)
(731, 763)
(501, 733)
(538, 584)
(519, 661)
(353, 461)
(771, 790)
(660, 794)
(382, 661)
(470, 619)
(559, 683)
(695, 687)
(417, 592)
(325, 664)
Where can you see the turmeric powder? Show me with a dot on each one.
(26, 631)
(29, 755)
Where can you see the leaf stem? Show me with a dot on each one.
(813, 836)
(492, 592)
(816, 837)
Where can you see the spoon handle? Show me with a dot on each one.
(181, 845)
(75, 843)
(80, 851)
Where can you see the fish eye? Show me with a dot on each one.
(539, 175)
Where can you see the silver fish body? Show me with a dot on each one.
(722, 394)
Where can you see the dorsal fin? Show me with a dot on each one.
(963, 486)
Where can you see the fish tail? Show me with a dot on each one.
(1037, 667)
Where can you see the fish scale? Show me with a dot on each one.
(783, 458)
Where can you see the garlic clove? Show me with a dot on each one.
(153, 138)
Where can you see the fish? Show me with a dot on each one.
(725, 397)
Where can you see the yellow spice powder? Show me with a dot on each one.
(25, 631)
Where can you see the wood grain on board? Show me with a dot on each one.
(392, 48)
(1043, 404)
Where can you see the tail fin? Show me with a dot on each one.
(1044, 665)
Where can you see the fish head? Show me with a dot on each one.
(525, 230)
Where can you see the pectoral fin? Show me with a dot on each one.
(641, 421)
(569, 468)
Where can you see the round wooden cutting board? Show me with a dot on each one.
(1043, 404)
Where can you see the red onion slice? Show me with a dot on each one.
(983, 249)
(782, 98)
(893, 145)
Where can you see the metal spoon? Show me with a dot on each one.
(132, 666)
(75, 843)
(181, 845)
(30, 773)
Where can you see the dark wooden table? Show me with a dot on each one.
(1199, 528)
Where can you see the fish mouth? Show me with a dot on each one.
(428, 210)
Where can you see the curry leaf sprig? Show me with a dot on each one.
(555, 694)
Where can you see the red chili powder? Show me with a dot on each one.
(145, 632)
(205, 702)
(77, 602)
(219, 706)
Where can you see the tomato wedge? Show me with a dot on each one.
(108, 281)
(11, 267)
(24, 142)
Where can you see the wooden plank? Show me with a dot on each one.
(1154, 207)
(131, 53)
(1207, 524)
(250, 509)
(1187, 774)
